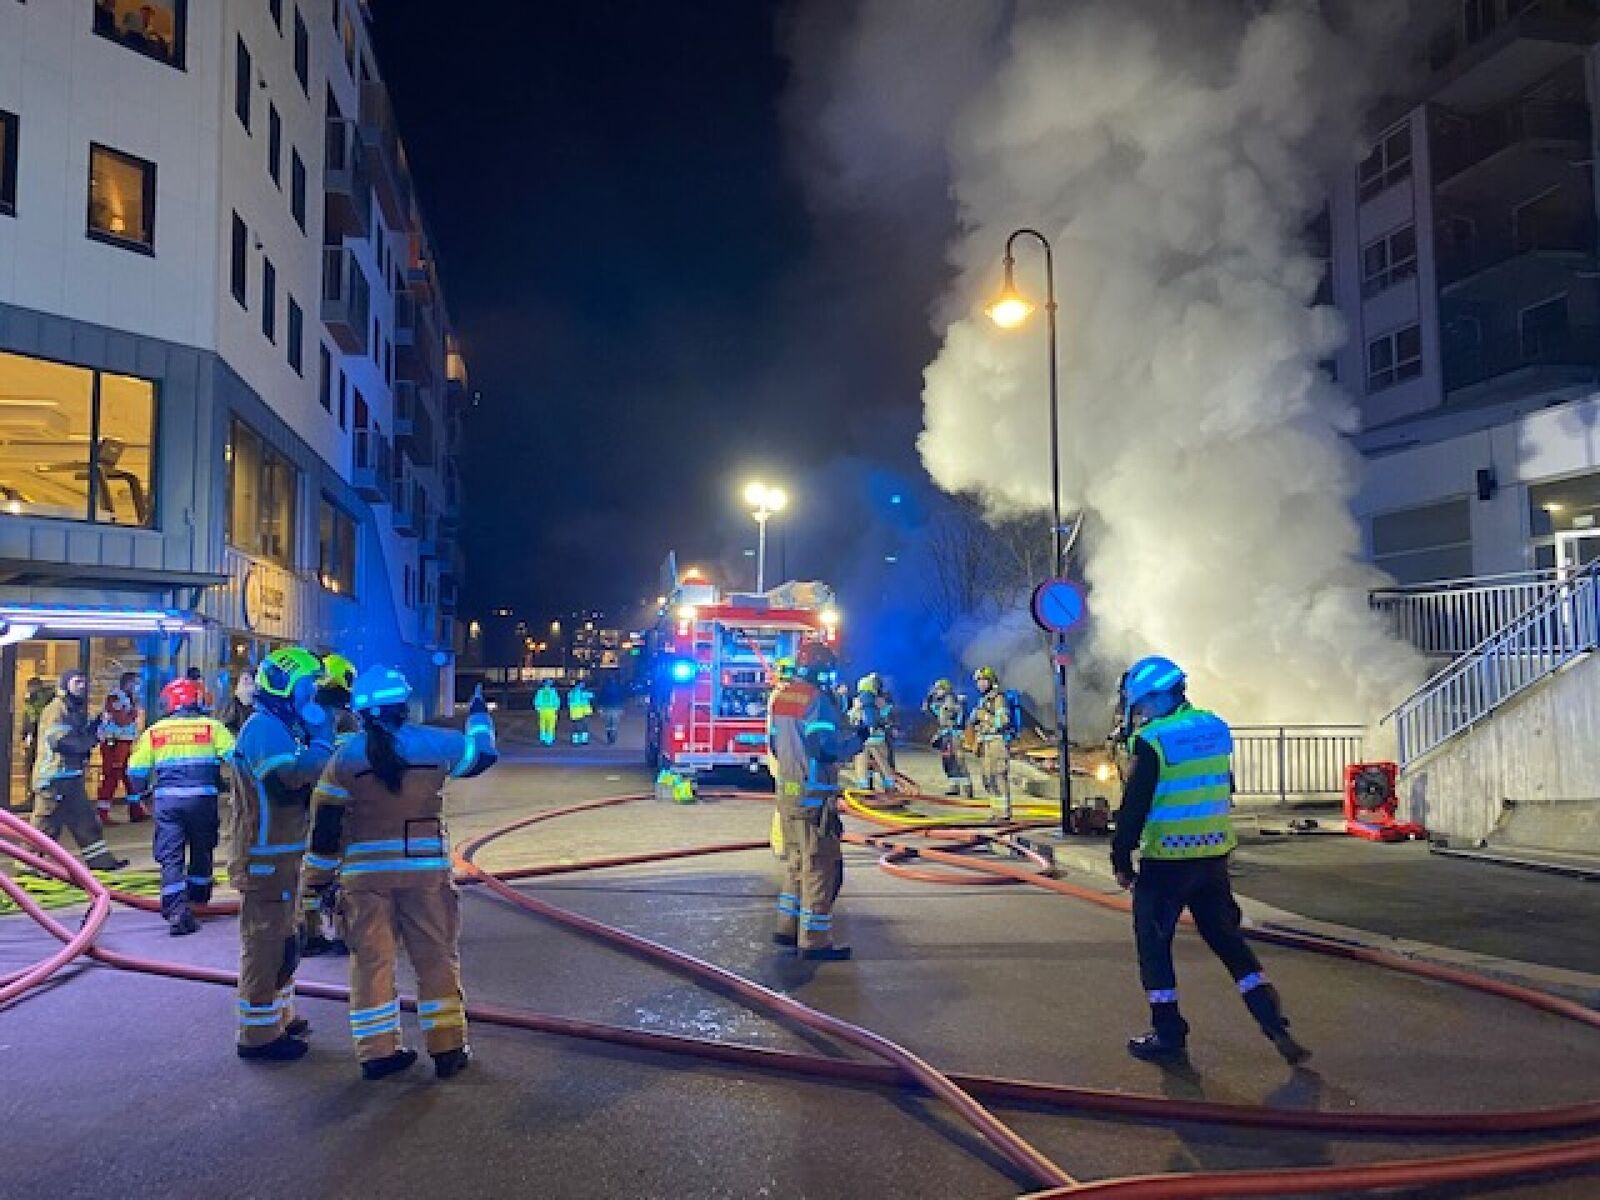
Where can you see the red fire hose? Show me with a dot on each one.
(958, 1089)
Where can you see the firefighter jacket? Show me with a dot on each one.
(948, 710)
(119, 719)
(547, 699)
(66, 739)
(274, 770)
(1188, 812)
(992, 716)
(806, 743)
(370, 839)
(873, 712)
(580, 702)
(180, 757)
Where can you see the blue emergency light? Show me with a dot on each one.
(682, 671)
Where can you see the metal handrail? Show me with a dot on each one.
(1300, 761)
(1450, 617)
(1559, 629)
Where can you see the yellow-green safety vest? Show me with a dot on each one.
(1189, 815)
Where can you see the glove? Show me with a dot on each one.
(478, 704)
(863, 731)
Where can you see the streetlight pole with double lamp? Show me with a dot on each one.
(1009, 310)
(765, 503)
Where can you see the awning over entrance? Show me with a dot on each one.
(20, 622)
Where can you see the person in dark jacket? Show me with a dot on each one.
(67, 736)
(241, 705)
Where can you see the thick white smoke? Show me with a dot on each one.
(1173, 151)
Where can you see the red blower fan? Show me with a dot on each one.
(1371, 800)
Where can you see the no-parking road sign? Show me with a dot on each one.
(1059, 606)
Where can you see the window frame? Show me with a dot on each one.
(12, 124)
(296, 480)
(275, 145)
(324, 377)
(1457, 507)
(269, 300)
(337, 512)
(275, 11)
(244, 79)
(302, 52)
(180, 38)
(297, 188)
(1373, 183)
(1396, 370)
(295, 320)
(239, 262)
(1394, 270)
(147, 200)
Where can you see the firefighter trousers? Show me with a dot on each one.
(547, 725)
(269, 952)
(63, 804)
(185, 844)
(426, 919)
(113, 771)
(813, 863)
(995, 762)
(872, 766)
(953, 757)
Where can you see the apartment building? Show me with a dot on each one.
(1465, 260)
(230, 396)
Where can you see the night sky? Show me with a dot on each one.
(650, 309)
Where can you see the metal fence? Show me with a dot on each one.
(1450, 617)
(1559, 629)
(1294, 762)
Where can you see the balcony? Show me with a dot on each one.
(418, 348)
(346, 182)
(373, 468)
(450, 513)
(1484, 62)
(449, 595)
(419, 277)
(391, 178)
(407, 519)
(1461, 143)
(413, 422)
(1569, 353)
(430, 545)
(346, 299)
(1567, 241)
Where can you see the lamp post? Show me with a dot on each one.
(765, 503)
(1009, 310)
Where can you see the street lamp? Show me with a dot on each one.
(765, 502)
(1009, 310)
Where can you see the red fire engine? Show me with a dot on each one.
(714, 659)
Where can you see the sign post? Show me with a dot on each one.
(1060, 606)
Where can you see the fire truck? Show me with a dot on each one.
(714, 658)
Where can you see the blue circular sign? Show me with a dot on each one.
(1059, 606)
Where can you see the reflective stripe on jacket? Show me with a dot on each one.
(181, 756)
(1189, 815)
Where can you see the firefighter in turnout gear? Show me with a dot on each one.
(1175, 813)
(870, 711)
(990, 723)
(66, 738)
(379, 856)
(338, 681)
(277, 760)
(179, 761)
(547, 703)
(949, 713)
(807, 746)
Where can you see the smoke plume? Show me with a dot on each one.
(1174, 152)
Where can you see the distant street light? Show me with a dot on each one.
(765, 503)
(1009, 310)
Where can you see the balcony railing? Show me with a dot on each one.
(1552, 236)
(1467, 141)
(373, 465)
(1574, 346)
(346, 299)
(1569, 18)
(346, 181)
(1448, 617)
(414, 422)
(391, 179)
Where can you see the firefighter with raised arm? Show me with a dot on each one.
(807, 745)
(279, 757)
(1175, 814)
(870, 711)
(992, 726)
(949, 714)
(379, 856)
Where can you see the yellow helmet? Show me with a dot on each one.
(868, 684)
(783, 669)
(281, 670)
(338, 671)
(986, 673)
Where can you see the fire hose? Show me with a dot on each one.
(901, 1068)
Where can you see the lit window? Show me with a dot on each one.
(122, 199)
(8, 164)
(75, 443)
(155, 28)
(336, 549)
(262, 489)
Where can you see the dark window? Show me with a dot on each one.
(1389, 260)
(1387, 165)
(122, 199)
(1416, 545)
(243, 76)
(275, 7)
(241, 260)
(155, 28)
(325, 377)
(297, 337)
(8, 164)
(297, 189)
(377, 342)
(336, 549)
(344, 401)
(274, 144)
(1542, 329)
(269, 300)
(388, 361)
(1394, 358)
(262, 489)
(81, 445)
(302, 53)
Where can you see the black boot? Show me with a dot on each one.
(1266, 1007)
(316, 945)
(182, 923)
(1168, 1039)
(785, 939)
(106, 861)
(393, 1064)
(452, 1062)
(826, 953)
(298, 1028)
(284, 1049)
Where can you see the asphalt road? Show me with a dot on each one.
(113, 1085)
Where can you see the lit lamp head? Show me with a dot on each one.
(1010, 308)
(765, 499)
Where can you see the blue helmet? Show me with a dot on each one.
(1150, 677)
(378, 688)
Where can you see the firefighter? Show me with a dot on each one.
(65, 740)
(547, 703)
(949, 713)
(807, 745)
(580, 706)
(379, 857)
(178, 761)
(867, 711)
(991, 723)
(1175, 813)
(612, 700)
(119, 730)
(279, 757)
(338, 679)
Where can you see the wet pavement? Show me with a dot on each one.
(126, 1086)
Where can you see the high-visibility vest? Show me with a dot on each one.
(1189, 815)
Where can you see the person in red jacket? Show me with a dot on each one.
(119, 730)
